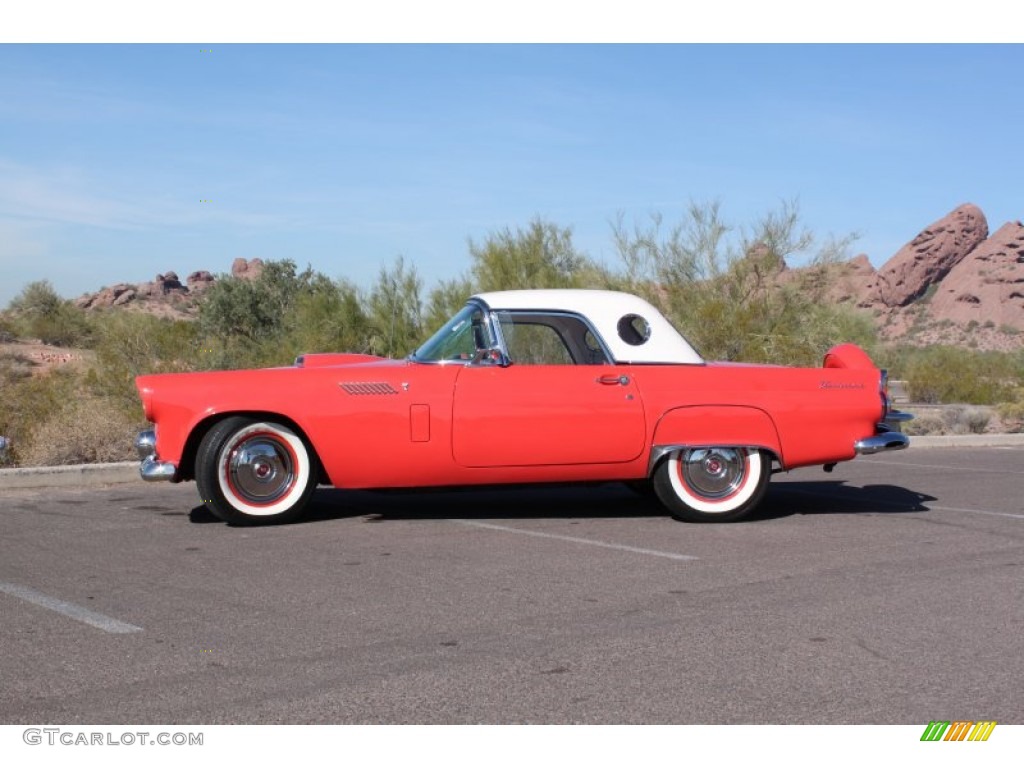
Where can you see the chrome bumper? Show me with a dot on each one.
(151, 469)
(886, 437)
(887, 441)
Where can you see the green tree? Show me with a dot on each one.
(396, 310)
(329, 318)
(540, 256)
(447, 298)
(254, 309)
(730, 297)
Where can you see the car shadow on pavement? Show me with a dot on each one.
(607, 500)
(593, 501)
(835, 497)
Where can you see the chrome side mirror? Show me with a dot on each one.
(492, 356)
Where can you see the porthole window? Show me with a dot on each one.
(634, 330)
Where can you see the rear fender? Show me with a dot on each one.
(847, 356)
(715, 425)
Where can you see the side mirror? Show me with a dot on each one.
(492, 356)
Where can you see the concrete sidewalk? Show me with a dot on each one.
(79, 475)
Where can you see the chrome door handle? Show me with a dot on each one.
(612, 380)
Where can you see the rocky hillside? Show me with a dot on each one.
(953, 283)
(165, 295)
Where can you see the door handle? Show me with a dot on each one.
(612, 380)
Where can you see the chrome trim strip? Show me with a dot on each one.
(887, 441)
(152, 470)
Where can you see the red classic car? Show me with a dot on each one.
(518, 387)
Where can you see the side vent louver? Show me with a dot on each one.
(368, 388)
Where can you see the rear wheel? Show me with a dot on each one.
(701, 485)
(250, 471)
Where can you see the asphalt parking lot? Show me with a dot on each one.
(890, 591)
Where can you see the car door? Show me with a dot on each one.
(559, 402)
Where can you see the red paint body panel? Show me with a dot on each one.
(535, 415)
(383, 423)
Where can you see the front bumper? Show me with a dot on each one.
(151, 469)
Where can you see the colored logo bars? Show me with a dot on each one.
(958, 730)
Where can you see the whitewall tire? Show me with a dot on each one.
(712, 484)
(254, 471)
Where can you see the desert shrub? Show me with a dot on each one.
(82, 430)
(941, 374)
(129, 344)
(329, 319)
(966, 421)
(1011, 415)
(39, 313)
(14, 366)
(925, 424)
(28, 403)
(1011, 412)
(8, 329)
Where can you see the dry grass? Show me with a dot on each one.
(83, 431)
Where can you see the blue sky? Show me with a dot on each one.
(347, 156)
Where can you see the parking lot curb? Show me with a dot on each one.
(70, 476)
(967, 441)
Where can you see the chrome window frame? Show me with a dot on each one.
(495, 328)
(609, 358)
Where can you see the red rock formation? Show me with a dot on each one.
(199, 281)
(988, 285)
(106, 297)
(927, 258)
(163, 289)
(246, 270)
(852, 280)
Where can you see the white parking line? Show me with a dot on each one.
(977, 512)
(576, 540)
(76, 612)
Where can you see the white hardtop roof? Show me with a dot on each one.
(604, 309)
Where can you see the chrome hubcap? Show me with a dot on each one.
(713, 473)
(261, 469)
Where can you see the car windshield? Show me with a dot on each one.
(459, 339)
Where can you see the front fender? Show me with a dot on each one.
(716, 425)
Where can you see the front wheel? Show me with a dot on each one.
(250, 471)
(712, 485)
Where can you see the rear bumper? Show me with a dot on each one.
(887, 436)
(886, 441)
(151, 469)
